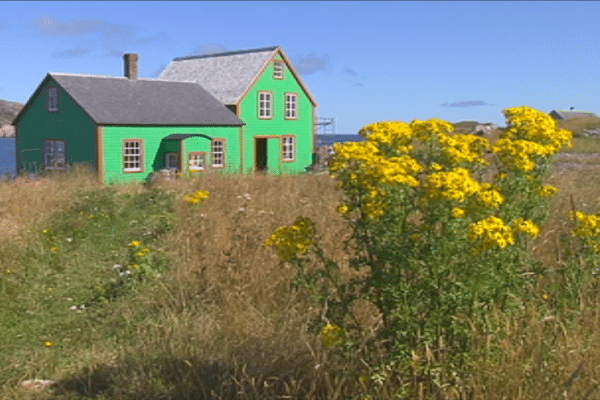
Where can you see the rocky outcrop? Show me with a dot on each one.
(591, 132)
(7, 131)
(483, 130)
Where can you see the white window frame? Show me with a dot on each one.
(169, 158)
(217, 152)
(133, 155)
(52, 100)
(291, 106)
(278, 70)
(194, 157)
(288, 148)
(54, 155)
(265, 105)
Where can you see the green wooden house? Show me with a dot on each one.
(264, 90)
(240, 112)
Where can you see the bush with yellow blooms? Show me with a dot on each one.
(439, 243)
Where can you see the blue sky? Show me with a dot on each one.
(362, 61)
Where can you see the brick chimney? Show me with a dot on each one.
(130, 65)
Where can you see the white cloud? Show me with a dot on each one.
(350, 71)
(310, 63)
(114, 38)
(467, 103)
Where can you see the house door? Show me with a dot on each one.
(260, 156)
(171, 161)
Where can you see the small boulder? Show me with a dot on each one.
(37, 384)
(482, 130)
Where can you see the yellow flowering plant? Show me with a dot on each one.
(196, 197)
(438, 241)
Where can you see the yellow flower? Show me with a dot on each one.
(343, 209)
(292, 240)
(48, 343)
(500, 176)
(44, 230)
(529, 133)
(196, 197)
(490, 196)
(546, 190)
(134, 266)
(435, 167)
(464, 148)
(332, 335)
(54, 249)
(9, 271)
(432, 128)
(587, 228)
(526, 226)
(395, 133)
(456, 184)
(492, 231)
(546, 296)
(134, 243)
(458, 212)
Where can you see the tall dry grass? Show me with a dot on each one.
(223, 321)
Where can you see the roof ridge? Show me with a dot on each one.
(120, 77)
(229, 53)
(86, 75)
(575, 111)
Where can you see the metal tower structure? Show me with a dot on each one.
(325, 126)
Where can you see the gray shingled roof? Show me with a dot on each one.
(226, 75)
(122, 101)
(568, 114)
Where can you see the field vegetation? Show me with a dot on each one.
(131, 292)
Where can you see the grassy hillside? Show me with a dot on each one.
(208, 313)
(577, 125)
(465, 126)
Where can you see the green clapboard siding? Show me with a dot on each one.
(70, 123)
(301, 128)
(154, 148)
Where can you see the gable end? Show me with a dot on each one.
(41, 90)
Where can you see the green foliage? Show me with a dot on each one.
(67, 266)
(438, 247)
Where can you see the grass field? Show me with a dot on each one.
(210, 314)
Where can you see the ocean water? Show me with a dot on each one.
(7, 157)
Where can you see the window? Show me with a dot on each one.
(218, 153)
(264, 104)
(52, 101)
(132, 155)
(171, 161)
(287, 148)
(54, 154)
(197, 161)
(291, 106)
(278, 70)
